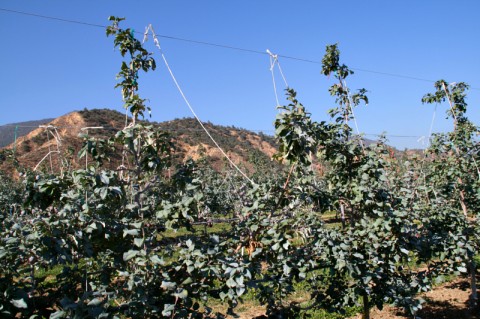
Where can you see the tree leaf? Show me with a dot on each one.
(462, 269)
(181, 293)
(138, 242)
(131, 232)
(167, 285)
(19, 303)
(94, 302)
(130, 254)
(156, 260)
(58, 314)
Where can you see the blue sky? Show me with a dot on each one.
(50, 68)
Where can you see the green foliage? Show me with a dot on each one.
(452, 182)
(10, 194)
(294, 130)
(140, 59)
(454, 93)
(140, 240)
(331, 63)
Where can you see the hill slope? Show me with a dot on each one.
(7, 132)
(45, 147)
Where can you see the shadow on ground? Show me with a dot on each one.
(435, 309)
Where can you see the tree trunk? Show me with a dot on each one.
(473, 283)
(462, 202)
(366, 308)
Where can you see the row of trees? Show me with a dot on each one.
(404, 224)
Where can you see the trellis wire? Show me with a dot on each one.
(274, 61)
(49, 154)
(157, 44)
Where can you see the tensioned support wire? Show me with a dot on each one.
(157, 44)
(56, 135)
(189, 130)
(431, 125)
(350, 101)
(451, 103)
(274, 61)
(343, 83)
(220, 46)
(15, 141)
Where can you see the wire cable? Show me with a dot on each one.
(431, 125)
(224, 46)
(53, 18)
(157, 44)
(201, 130)
(273, 59)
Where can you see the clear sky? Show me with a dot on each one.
(50, 68)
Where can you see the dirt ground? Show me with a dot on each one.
(446, 301)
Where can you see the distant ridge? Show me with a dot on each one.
(7, 131)
(245, 148)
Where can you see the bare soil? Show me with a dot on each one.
(446, 301)
(449, 300)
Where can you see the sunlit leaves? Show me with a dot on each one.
(295, 132)
(140, 59)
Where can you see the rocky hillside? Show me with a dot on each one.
(58, 140)
(8, 131)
